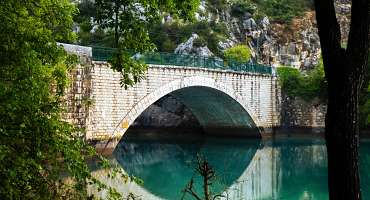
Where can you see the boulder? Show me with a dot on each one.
(189, 48)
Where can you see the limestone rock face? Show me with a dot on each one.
(297, 45)
(223, 45)
(272, 43)
(249, 24)
(343, 10)
(279, 44)
(188, 47)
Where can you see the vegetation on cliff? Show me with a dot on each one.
(239, 53)
(166, 36)
(280, 11)
(210, 24)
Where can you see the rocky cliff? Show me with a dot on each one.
(272, 42)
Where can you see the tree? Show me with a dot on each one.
(208, 176)
(129, 21)
(37, 147)
(344, 70)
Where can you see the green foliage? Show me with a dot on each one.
(283, 10)
(131, 70)
(239, 53)
(86, 10)
(290, 80)
(313, 85)
(129, 22)
(32, 134)
(307, 86)
(38, 149)
(216, 6)
(167, 45)
(199, 42)
(168, 35)
(240, 7)
(88, 34)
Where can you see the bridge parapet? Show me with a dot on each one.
(172, 59)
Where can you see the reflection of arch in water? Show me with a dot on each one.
(258, 180)
(216, 106)
(167, 167)
(267, 176)
(284, 169)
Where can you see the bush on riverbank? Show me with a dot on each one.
(312, 85)
(308, 85)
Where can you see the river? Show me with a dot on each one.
(284, 168)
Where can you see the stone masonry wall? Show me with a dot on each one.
(114, 108)
(297, 113)
(78, 96)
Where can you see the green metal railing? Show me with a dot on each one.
(161, 58)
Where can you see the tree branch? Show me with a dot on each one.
(218, 196)
(189, 189)
(329, 31)
(358, 39)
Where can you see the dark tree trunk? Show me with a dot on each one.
(344, 71)
(342, 138)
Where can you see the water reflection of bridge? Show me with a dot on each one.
(261, 178)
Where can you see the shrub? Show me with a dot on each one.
(199, 42)
(290, 80)
(308, 86)
(168, 45)
(239, 53)
(239, 8)
(217, 5)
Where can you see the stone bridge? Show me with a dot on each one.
(223, 100)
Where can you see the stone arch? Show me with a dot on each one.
(175, 85)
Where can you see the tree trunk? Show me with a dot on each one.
(344, 72)
(342, 139)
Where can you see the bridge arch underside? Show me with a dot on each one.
(217, 112)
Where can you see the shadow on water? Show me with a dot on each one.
(167, 165)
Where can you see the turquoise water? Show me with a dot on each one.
(246, 169)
